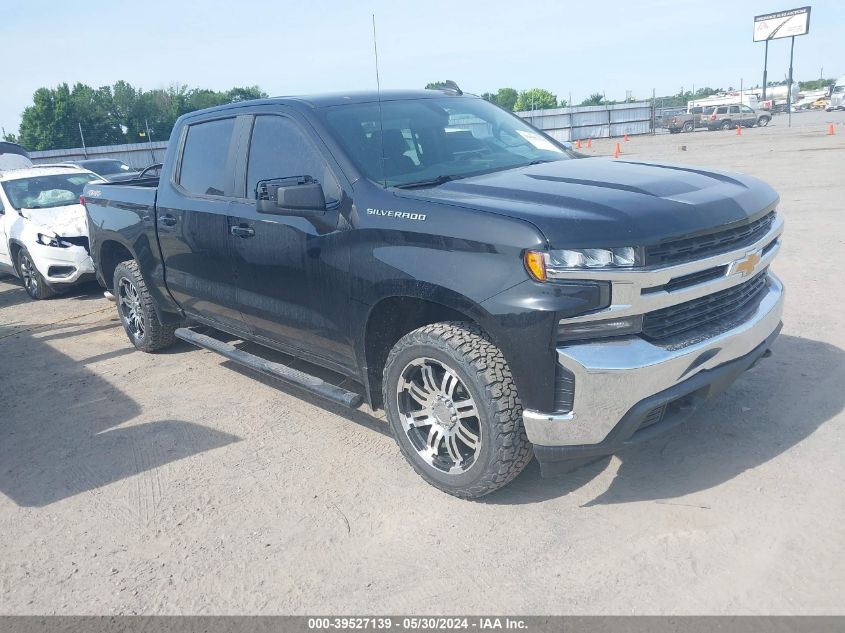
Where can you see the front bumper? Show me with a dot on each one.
(61, 265)
(619, 383)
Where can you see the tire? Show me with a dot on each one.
(726, 125)
(763, 121)
(33, 281)
(688, 126)
(136, 309)
(673, 131)
(454, 411)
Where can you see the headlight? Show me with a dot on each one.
(51, 240)
(540, 263)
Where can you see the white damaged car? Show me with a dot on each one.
(43, 228)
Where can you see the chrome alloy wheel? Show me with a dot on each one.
(28, 274)
(130, 308)
(439, 415)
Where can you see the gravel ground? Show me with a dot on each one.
(178, 484)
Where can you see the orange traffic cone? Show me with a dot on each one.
(578, 144)
(617, 151)
(831, 130)
(589, 143)
(626, 138)
(739, 130)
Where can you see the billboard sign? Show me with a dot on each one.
(774, 26)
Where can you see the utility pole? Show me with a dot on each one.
(765, 69)
(789, 83)
(84, 150)
(150, 140)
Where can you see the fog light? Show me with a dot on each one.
(623, 326)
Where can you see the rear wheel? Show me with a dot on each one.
(726, 125)
(454, 411)
(137, 310)
(33, 281)
(688, 126)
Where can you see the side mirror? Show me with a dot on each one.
(299, 196)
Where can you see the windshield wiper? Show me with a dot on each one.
(439, 180)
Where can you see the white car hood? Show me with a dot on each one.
(65, 221)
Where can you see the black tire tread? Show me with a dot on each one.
(493, 376)
(158, 336)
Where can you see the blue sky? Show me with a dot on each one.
(323, 45)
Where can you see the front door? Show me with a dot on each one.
(292, 272)
(192, 224)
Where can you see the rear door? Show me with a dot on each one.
(292, 272)
(191, 215)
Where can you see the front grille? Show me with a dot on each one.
(80, 240)
(699, 247)
(732, 303)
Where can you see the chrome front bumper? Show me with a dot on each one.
(613, 376)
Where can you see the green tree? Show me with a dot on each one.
(114, 114)
(535, 99)
(594, 99)
(435, 85)
(506, 98)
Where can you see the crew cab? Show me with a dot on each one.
(497, 295)
(43, 231)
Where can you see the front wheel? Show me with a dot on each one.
(454, 410)
(763, 121)
(33, 281)
(137, 310)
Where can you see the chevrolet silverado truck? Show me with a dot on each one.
(495, 294)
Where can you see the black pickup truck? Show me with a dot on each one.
(496, 293)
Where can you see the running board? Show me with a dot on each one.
(274, 370)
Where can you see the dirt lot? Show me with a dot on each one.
(175, 483)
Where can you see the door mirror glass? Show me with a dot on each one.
(298, 196)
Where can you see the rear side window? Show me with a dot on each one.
(722, 110)
(279, 149)
(205, 158)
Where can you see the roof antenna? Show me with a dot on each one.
(451, 86)
(378, 94)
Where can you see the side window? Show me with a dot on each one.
(205, 157)
(746, 109)
(279, 149)
(734, 109)
(722, 110)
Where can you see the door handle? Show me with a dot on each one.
(242, 231)
(167, 220)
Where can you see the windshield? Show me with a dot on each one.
(41, 192)
(839, 88)
(106, 167)
(425, 141)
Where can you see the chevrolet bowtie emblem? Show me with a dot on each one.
(746, 265)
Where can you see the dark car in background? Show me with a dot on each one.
(110, 169)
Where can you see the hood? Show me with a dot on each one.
(597, 202)
(65, 221)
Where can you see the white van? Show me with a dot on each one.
(837, 96)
